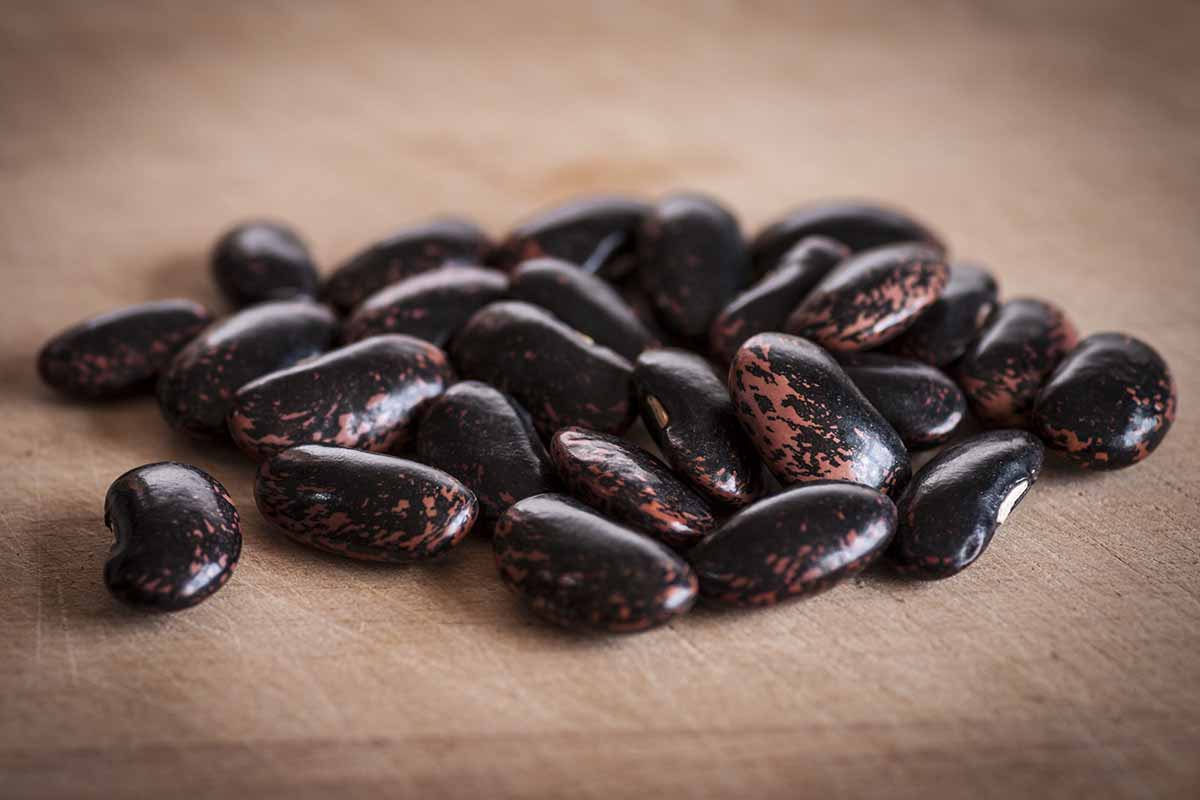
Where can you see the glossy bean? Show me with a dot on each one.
(952, 507)
(484, 438)
(630, 486)
(871, 297)
(577, 569)
(196, 389)
(945, 329)
(121, 351)
(1109, 403)
(574, 231)
(920, 402)
(178, 536)
(365, 396)
(560, 376)
(258, 261)
(808, 419)
(366, 506)
(687, 410)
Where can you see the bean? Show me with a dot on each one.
(365, 506)
(919, 401)
(794, 544)
(178, 536)
(432, 306)
(687, 411)
(765, 306)
(871, 297)
(946, 328)
(807, 418)
(574, 231)
(258, 261)
(585, 302)
(630, 486)
(692, 260)
(951, 509)
(560, 376)
(402, 255)
(196, 389)
(365, 395)
(484, 438)
(859, 226)
(121, 351)
(576, 569)
(1003, 370)
(1109, 403)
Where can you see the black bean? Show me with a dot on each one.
(484, 438)
(365, 396)
(859, 226)
(1109, 403)
(796, 543)
(952, 507)
(919, 401)
(687, 411)
(945, 329)
(258, 261)
(630, 486)
(576, 569)
(178, 536)
(574, 231)
(692, 260)
(1004, 368)
(363, 505)
(586, 303)
(870, 297)
(196, 389)
(402, 255)
(432, 306)
(765, 306)
(807, 418)
(121, 351)
(559, 375)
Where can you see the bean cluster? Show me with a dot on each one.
(439, 383)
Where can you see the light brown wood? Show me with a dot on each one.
(1055, 141)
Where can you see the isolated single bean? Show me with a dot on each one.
(484, 438)
(952, 507)
(577, 569)
(196, 389)
(871, 297)
(919, 401)
(629, 485)
(258, 261)
(765, 306)
(432, 306)
(1109, 403)
(808, 419)
(361, 505)
(402, 255)
(1004, 368)
(687, 411)
(574, 231)
(560, 376)
(178, 536)
(365, 396)
(692, 260)
(796, 543)
(121, 351)
(587, 303)
(859, 226)
(945, 329)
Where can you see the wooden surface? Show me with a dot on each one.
(1056, 141)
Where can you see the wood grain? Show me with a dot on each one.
(1055, 141)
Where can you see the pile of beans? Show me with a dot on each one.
(439, 383)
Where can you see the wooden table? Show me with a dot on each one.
(1058, 144)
